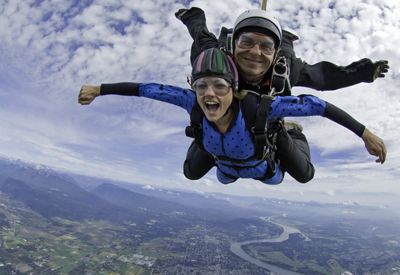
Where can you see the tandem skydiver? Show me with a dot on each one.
(223, 130)
(258, 44)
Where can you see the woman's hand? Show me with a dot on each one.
(375, 145)
(88, 93)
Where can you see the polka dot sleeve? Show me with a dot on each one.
(292, 106)
(170, 94)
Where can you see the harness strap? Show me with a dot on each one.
(237, 162)
(195, 130)
(261, 143)
(249, 108)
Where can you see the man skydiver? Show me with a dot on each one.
(256, 28)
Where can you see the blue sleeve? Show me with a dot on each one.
(292, 106)
(184, 98)
(307, 105)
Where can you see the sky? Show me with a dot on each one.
(49, 48)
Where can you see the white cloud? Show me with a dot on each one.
(49, 50)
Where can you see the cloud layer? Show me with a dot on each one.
(50, 48)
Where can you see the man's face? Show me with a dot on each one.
(254, 54)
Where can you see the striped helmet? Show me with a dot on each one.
(215, 62)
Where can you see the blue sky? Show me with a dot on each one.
(48, 49)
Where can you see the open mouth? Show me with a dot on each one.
(212, 106)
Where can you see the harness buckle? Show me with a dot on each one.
(280, 76)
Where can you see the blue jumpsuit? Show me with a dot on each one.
(236, 144)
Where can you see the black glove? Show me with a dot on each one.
(194, 13)
(180, 13)
(380, 68)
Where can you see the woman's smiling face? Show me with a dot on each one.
(214, 96)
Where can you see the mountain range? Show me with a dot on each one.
(52, 221)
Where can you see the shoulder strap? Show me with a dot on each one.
(249, 108)
(259, 129)
(195, 130)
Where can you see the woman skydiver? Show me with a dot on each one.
(224, 132)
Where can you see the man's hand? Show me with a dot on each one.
(88, 93)
(375, 146)
(180, 13)
(380, 68)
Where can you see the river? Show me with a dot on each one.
(236, 248)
